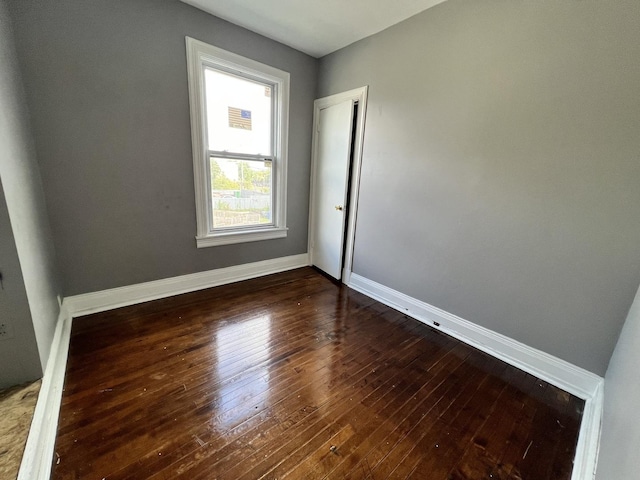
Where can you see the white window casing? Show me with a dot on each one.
(199, 56)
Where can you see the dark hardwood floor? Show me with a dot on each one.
(293, 376)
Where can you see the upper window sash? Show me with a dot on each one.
(228, 94)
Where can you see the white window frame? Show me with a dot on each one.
(199, 56)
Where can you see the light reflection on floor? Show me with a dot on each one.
(240, 345)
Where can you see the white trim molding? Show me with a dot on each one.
(143, 292)
(39, 449)
(255, 235)
(571, 378)
(586, 459)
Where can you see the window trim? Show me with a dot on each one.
(199, 55)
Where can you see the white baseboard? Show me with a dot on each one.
(143, 292)
(565, 375)
(558, 372)
(38, 453)
(586, 459)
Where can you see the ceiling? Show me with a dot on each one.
(314, 27)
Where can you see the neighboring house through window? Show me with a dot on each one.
(239, 123)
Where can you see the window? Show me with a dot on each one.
(239, 125)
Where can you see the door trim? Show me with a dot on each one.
(356, 95)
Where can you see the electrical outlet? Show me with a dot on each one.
(6, 331)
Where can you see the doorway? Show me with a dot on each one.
(338, 133)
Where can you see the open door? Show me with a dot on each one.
(336, 138)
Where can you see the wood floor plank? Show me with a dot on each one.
(484, 450)
(294, 376)
(544, 436)
(399, 386)
(373, 430)
(453, 438)
(386, 431)
(352, 358)
(378, 375)
(327, 384)
(429, 444)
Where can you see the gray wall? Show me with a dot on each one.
(106, 84)
(500, 170)
(28, 300)
(19, 360)
(620, 440)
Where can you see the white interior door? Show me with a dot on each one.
(331, 179)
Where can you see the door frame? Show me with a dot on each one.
(356, 95)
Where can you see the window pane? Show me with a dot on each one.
(238, 114)
(240, 192)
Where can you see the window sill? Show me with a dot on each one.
(216, 239)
